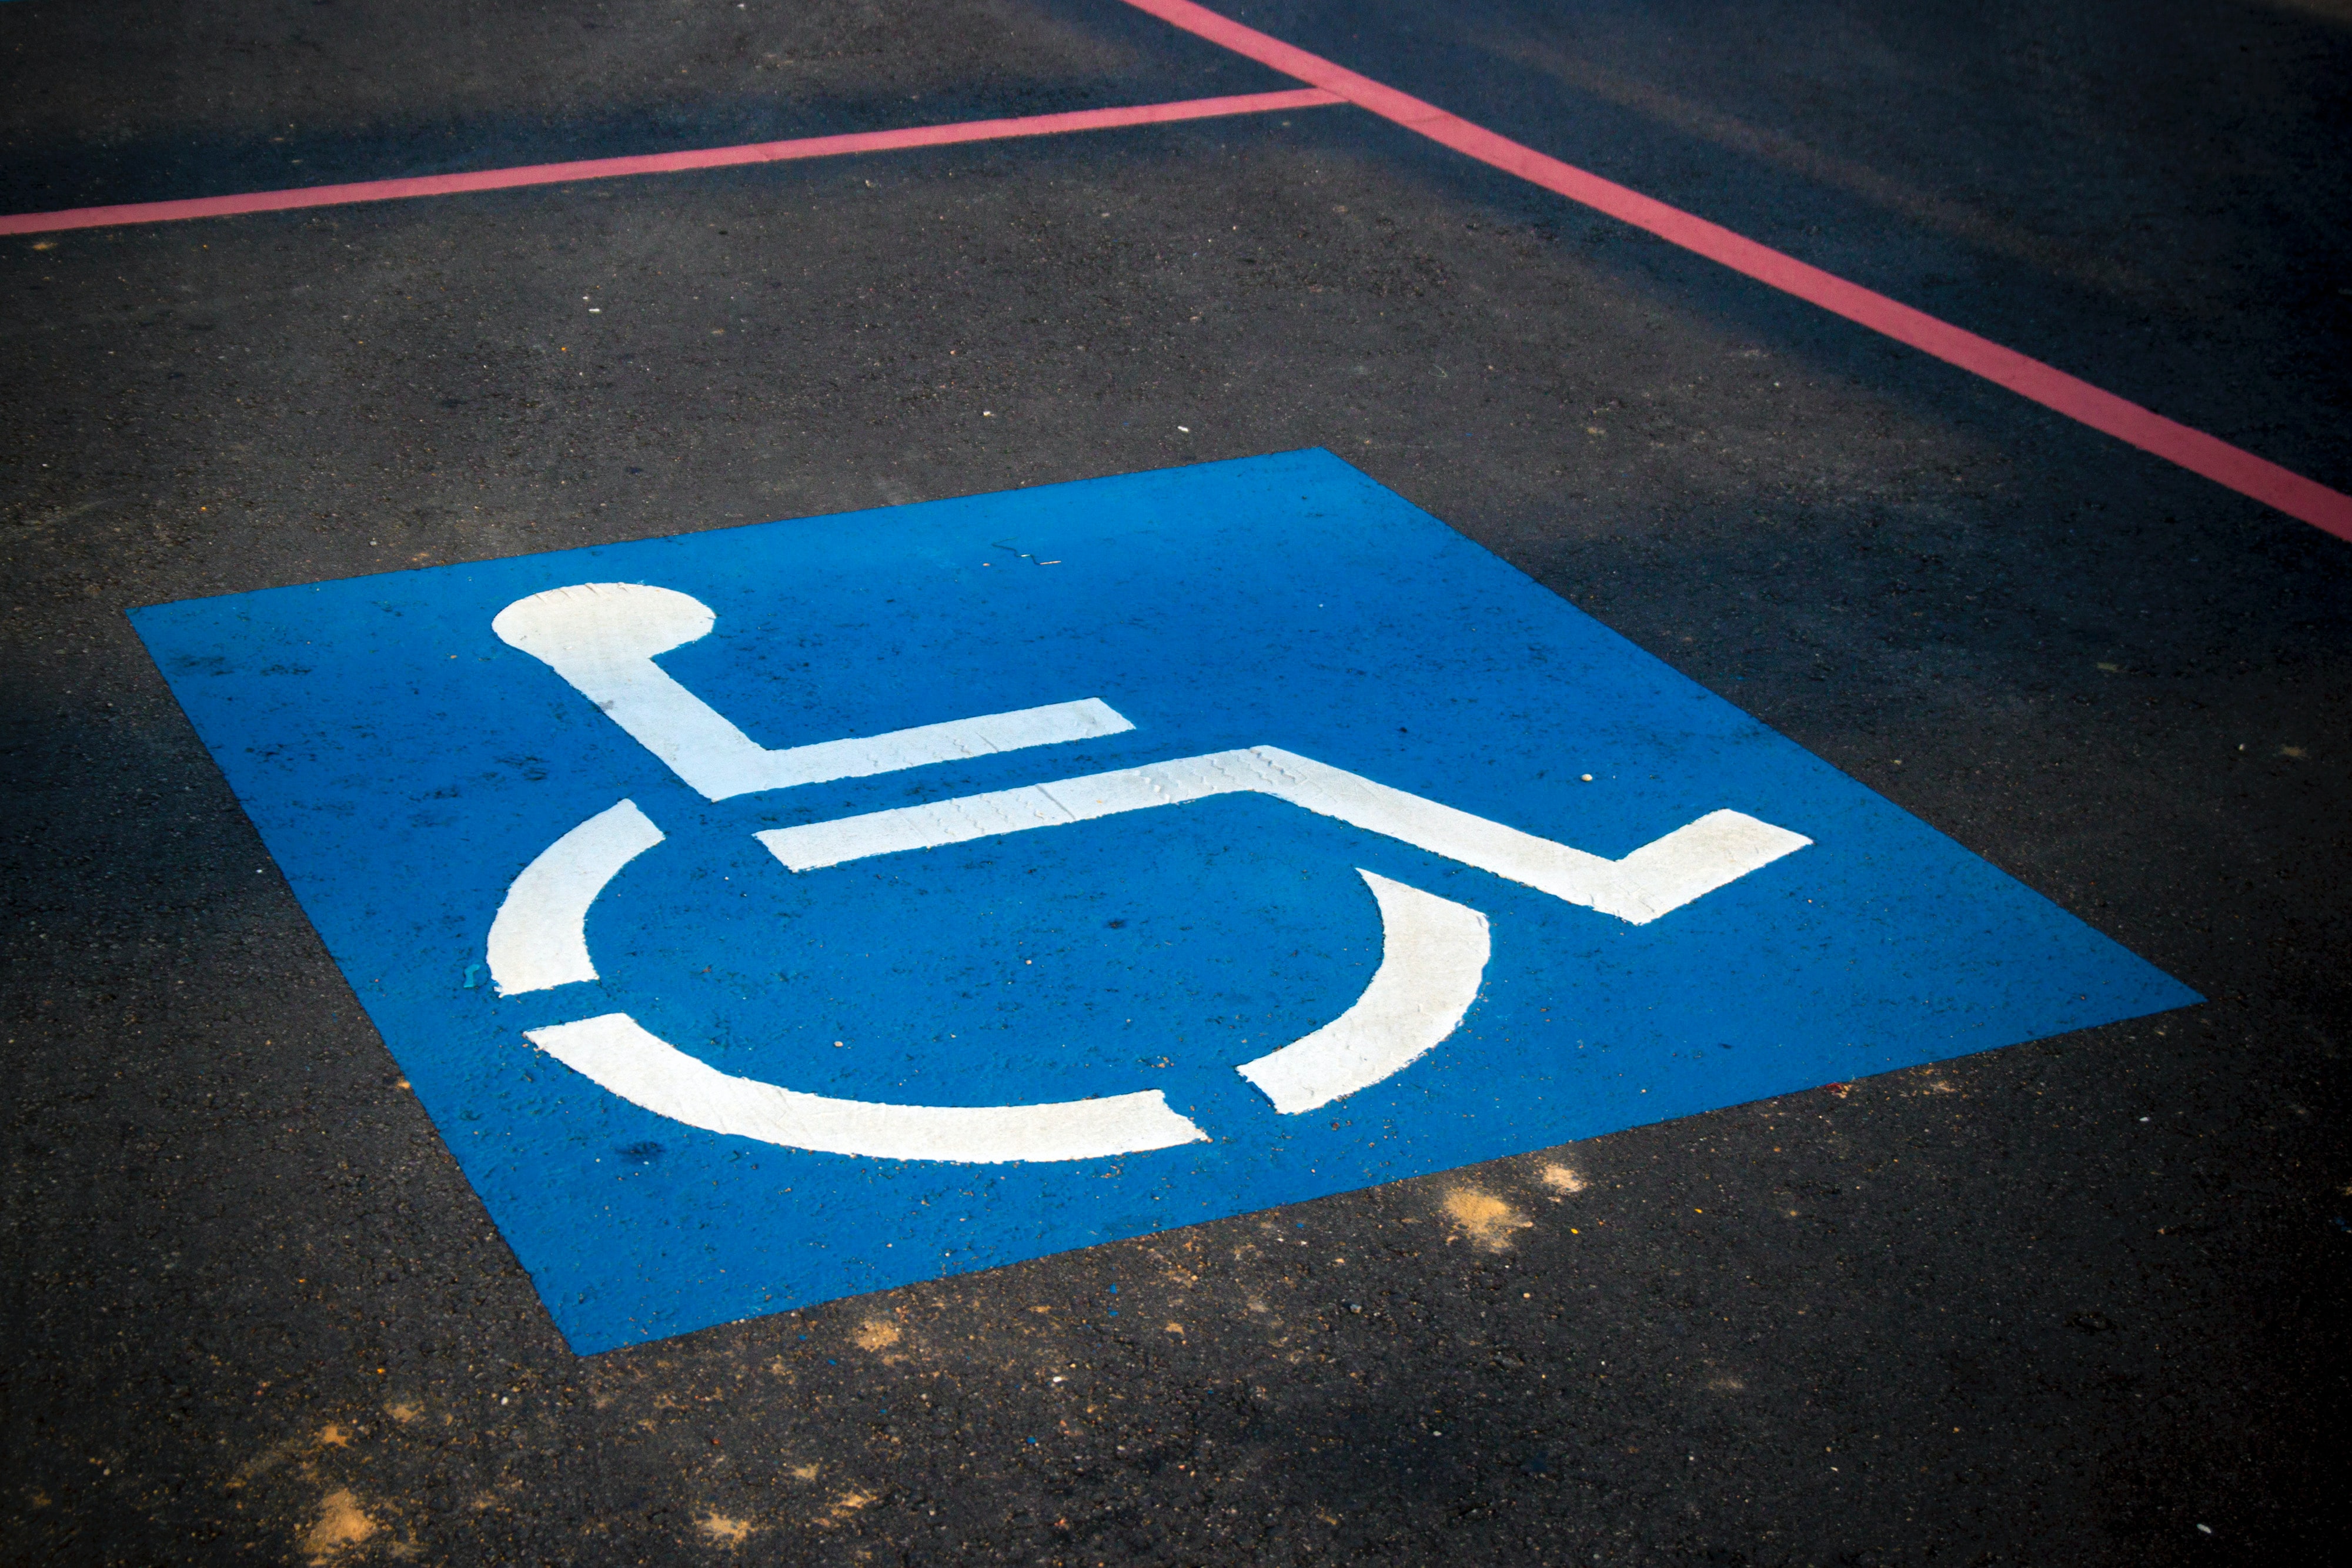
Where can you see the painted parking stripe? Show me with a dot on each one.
(2230, 466)
(663, 162)
(1392, 860)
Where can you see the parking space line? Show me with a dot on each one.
(2228, 465)
(665, 163)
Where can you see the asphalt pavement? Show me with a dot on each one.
(2078, 1300)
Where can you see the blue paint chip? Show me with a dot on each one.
(405, 764)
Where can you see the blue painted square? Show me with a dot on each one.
(405, 764)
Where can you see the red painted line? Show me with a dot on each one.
(663, 162)
(2194, 450)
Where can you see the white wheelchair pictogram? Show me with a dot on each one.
(603, 638)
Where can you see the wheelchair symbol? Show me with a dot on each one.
(603, 638)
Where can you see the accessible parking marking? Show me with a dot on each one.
(1368, 857)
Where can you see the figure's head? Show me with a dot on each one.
(602, 620)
